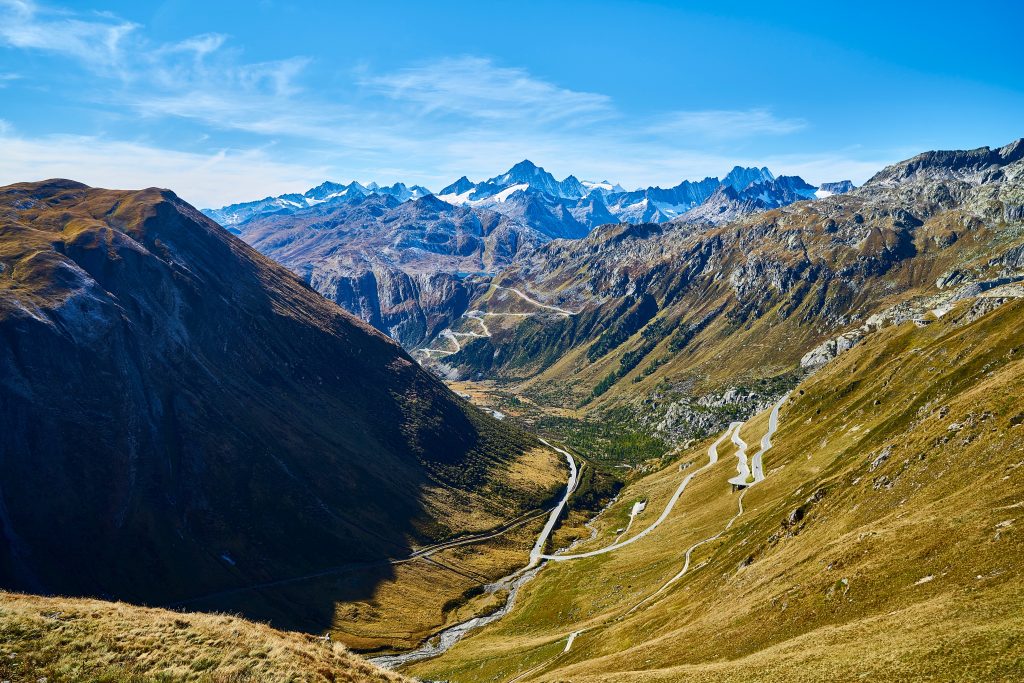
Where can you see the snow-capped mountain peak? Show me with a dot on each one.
(523, 172)
(563, 208)
(535, 177)
(603, 187)
(460, 186)
(740, 178)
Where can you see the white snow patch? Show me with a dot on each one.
(672, 210)
(504, 194)
(457, 198)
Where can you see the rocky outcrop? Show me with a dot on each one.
(838, 187)
(409, 307)
(689, 419)
(990, 294)
(823, 353)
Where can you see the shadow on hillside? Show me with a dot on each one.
(202, 430)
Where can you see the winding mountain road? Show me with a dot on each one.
(743, 478)
(712, 459)
(479, 316)
(733, 430)
(689, 553)
(525, 297)
(766, 440)
(445, 639)
(766, 445)
(538, 548)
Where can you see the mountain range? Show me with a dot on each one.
(566, 208)
(776, 436)
(326, 192)
(399, 257)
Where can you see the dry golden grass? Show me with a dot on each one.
(843, 566)
(63, 639)
(535, 469)
(423, 596)
(410, 601)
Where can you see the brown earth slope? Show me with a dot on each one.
(64, 639)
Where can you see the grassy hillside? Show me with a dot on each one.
(884, 543)
(61, 639)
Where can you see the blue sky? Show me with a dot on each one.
(225, 101)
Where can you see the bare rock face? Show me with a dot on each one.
(407, 268)
(409, 307)
(823, 353)
(692, 418)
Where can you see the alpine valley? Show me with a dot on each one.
(739, 429)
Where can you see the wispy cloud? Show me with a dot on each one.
(213, 179)
(96, 40)
(259, 97)
(725, 124)
(426, 123)
(201, 77)
(477, 88)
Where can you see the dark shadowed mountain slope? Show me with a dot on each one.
(180, 416)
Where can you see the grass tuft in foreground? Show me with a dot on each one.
(65, 639)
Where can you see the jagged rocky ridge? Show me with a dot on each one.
(729, 203)
(325, 193)
(399, 258)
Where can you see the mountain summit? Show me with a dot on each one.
(740, 178)
(536, 178)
